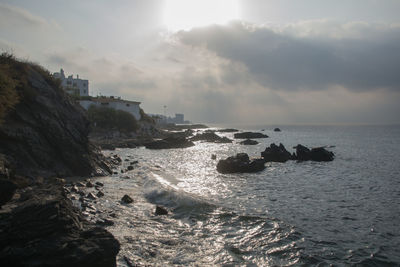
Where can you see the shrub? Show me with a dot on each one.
(8, 94)
(108, 119)
(145, 117)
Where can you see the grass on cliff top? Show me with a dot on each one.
(14, 82)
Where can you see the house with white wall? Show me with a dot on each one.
(114, 102)
(73, 86)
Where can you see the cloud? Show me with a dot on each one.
(12, 16)
(357, 56)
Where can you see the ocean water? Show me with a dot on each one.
(340, 213)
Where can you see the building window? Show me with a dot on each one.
(68, 82)
(127, 105)
(84, 84)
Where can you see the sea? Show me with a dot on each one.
(340, 213)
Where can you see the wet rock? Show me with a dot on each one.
(74, 189)
(126, 199)
(211, 137)
(160, 211)
(130, 168)
(213, 156)
(249, 142)
(315, 154)
(104, 222)
(249, 135)
(99, 184)
(81, 193)
(100, 194)
(89, 184)
(240, 164)
(80, 184)
(277, 130)
(115, 172)
(134, 162)
(91, 196)
(170, 142)
(7, 190)
(275, 153)
(303, 153)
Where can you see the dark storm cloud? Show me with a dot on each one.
(365, 61)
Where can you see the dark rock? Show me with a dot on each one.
(228, 131)
(89, 184)
(7, 190)
(130, 167)
(115, 172)
(275, 153)
(315, 154)
(80, 184)
(100, 194)
(104, 222)
(240, 164)
(81, 193)
(47, 230)
(91, 196)
(126, 199)
(99, 184)
(170, 142)
(134, 162)
(277, 130)
(211, 137)
(249, 135)
(74, 189)
(161, 211)
(213, 156)
(249, 142)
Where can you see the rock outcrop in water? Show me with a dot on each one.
(211, 137)
(275, 153)
(315, 154)
(249, 142)
(46, 230)
(249, 135)
(240, 163)
(170, 142)
(45, 133)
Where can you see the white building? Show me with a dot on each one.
(73, 86)
(116, 103)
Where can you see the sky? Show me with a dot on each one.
(222, 61)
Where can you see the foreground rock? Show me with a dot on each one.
(211, 137)
(275, 153)
(240, 164)
(46, 230)
(315, 154)
(170, 142)
(249, 142)
(249, 135)
(126, 199)
(7, 190)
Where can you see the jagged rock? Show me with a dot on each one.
(100, 194)
(99, 184)
(74, 189)
(249, 142)
(277, 130)
(249, 135)
(240, 164)
(302, 153)
(7, 190)
(211, 137)
(47, 230)
(89, 184)
(130, 167)
(91, 196)
(126, 199)
(275, 153)
(170, 142)
(315, 154)
(161, 211)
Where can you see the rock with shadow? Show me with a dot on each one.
(169, 143)
(249, 142)
(240, 163)
(315, 154)
(249, 135)
(275, 153)
(211, 137)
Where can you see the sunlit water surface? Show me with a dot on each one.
(343, 212)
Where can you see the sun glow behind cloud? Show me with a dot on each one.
(187, 14)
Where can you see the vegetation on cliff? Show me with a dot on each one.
(107, 118)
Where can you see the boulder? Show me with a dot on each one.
(249, 142)
(170, 142)
(277, 130)
(275, 153)
(7, 190)
(249, 135)
(89, 184)
(100, 194)
(161, 211)
(99, 184)
(130, 167)
(302, 153)
(240, 164)
(126, 199)
(213, 156)
(211, 137)
(315, 154)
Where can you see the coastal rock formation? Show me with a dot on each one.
(211, 137)
(229, 130)
(46, 230)
(169, 142)
(277, 130)
(275, 153)
(240, 164)
(249, 135)
(45, 133)
(315, 154)
(249, 142)
(7, 190)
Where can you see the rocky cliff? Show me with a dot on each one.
(44, 133)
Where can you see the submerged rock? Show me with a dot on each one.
(170, 142)
(126, 199)
(275, 153)
(249, 135)
(161, 211)
(211, 137)
(249, 142)
(240, 164)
